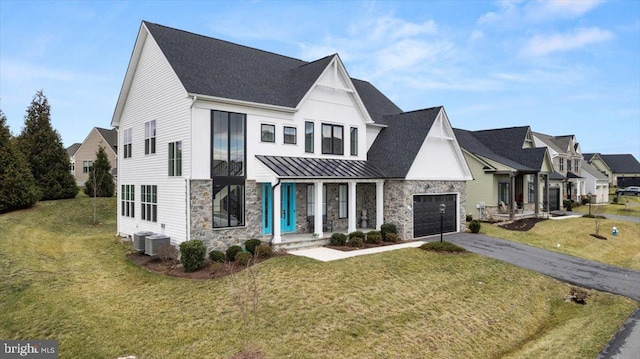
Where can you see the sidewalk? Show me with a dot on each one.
(327, 254)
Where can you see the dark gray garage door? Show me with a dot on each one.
(554, 199)
(426, 214)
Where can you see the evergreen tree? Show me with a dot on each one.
(100, 177)
(47, 158)
(17, 187)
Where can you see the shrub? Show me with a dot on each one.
(338, 239)
(392, 237)
(251, 245)
(475, 226)
(387, 228)
(568, 204)
(586, 200)
(356, 234)
(167, 252)
(263, 251)
(615, 199)
(232, 251)
(356, 241)
(441, 247)
(217, 256)
(192, 254)
(243, 258)
(374, 237)
(469, 217)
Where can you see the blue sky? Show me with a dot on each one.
(562, 67)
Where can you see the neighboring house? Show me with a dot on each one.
(622, 170)
(223, 143)
(85, 155)
(71, 151)
(597, 184)
(510, 174)
(567, 161)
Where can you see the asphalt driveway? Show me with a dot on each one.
(581, 272)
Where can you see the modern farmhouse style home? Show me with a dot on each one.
(222, 142)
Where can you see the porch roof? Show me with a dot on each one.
(305, 167)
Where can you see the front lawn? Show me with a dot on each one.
(66, 279)
(619, 208)
(572, 236)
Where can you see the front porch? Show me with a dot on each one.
(293, 241)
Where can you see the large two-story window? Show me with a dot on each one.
(150, 137)
(332, 139)
(126, 142)
(561, 166)
(569, 165)
(175, 158)
(149, 203)
(308, 137)
(228, 172)
(127, 200)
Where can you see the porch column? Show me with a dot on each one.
(352, 207)
(536, 188)
(379, 204)
(512, 212)
(317, 219)
(277, 213)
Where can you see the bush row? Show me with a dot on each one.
(193, 253)
(388, 232)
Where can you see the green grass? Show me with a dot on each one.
(65, 279)
(572, 236)
(615, 208)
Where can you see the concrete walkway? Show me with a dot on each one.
(327, 254)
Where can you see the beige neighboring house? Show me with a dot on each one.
(85, 154)
(567, 161)
(71, 151)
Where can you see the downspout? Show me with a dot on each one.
(187, 186)
(273, 215)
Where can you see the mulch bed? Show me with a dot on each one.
(522, 225)
(348, 248)
(174, 269)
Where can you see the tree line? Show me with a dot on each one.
(35, 165)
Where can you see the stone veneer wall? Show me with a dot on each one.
(366, 200)
(221, 239)
(398, 198)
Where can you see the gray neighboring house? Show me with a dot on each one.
(596, 183)
(510, 174)
(622, 169)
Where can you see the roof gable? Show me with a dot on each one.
(217, 69)
(397, 145)
(508, 146)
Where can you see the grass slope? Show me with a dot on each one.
(65, 279)
(573, 236)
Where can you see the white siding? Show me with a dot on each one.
(372, 134)
(155, 94)
(440, 157)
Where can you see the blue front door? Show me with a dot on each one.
(288, 215)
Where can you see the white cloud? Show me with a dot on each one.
(541, 45)
(558, 9)
(476, 35)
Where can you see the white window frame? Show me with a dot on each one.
(150, 137)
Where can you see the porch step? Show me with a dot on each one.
(300, 244)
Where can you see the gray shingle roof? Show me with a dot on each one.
(396, 147)
(503, 145)
(621, 163)
(305, 167)
(71, 150)
(213, 67)
(592, 170)
(110, 136)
